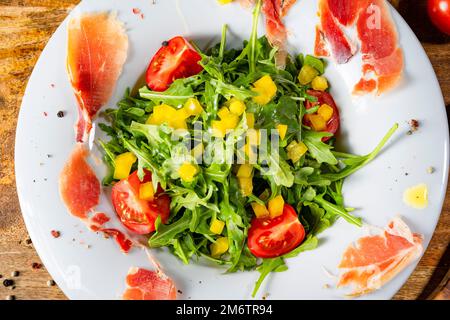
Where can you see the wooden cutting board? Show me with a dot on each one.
(26, 26)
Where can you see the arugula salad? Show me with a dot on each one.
(226, 157)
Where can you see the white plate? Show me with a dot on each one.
(99, 272)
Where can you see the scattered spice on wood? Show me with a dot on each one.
(12, 287)
(60, 114)
(1, 276)
(8, 282)
(10, 297)
(55, 233)
(36, 265)
(51, 283)
(28, 241)
(15, 274)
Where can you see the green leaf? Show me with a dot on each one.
(265, 268)
(318, 149)
(314, 62)
(176, 95)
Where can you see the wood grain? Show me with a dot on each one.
(26, 26)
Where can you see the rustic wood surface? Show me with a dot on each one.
(26, 26)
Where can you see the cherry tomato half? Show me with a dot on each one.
(176, 59)
(269, 238)
(139, 215)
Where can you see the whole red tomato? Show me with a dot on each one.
(439, 12)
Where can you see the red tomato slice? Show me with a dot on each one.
(176, 59)
(325, 98)
(439, 12)
(270, 238)
(139, 215)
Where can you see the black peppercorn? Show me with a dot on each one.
(165, 43)
(60, 114)
(8, 282)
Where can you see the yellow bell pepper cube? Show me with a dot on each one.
(307, 74)
(254, 137)
(153, 120)
(216, 226)
(164, 112)
(276, 206)
(193, 107)
(260, 210)
(230, 121)
(146, 191)
(250, 120)
(296, 150)
(223, 112)
(317, 122)
(218, 129)
(282, 130)
(225, 1)
(219, 247)
(187, 172)
(245, 171)
(325, 111)
(178, 123)
(123, 163)
(236, 106)
(320, 83)
(266, 89)
(246, 186)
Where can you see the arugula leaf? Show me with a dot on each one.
(265, 268)
(318, 149)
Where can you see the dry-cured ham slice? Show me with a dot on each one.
(78, 184)
(144, 284)
(346, 12)
(97, 50)
(375, 260)
(342, 49)
(382, 58)
(275, 30)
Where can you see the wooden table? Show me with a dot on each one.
(26, 26)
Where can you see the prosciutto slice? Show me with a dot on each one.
(382, 57)
(96, 52)
(145, 284)
(78, 184)
(375, 260)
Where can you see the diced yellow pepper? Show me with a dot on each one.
(246, 186)
(123, 163)
(197, 151)
(164, 112)
(193, 107)
(266, 89)
(216, 226)
(223, 112)
(250, 120)
(187, 172)
(245, 171)
(153, 120)
(219, 247)
(296, 150)
(276, 206)
(218, 128)
(254, 137)
(224, 1)
(320, 83)
(178, 122)
(282, 130)
(325, 111)
(236, 106)
(307, 74)
(317, 122)
(260, 210)
(230, 121)
(146, 191)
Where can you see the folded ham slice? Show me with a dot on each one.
(96, 52)
(145, 284)
(375, 260)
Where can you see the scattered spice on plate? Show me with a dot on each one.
(10, 297)
(8, 282)
(36, 265)
(165, 43)
(49, 155)
(431, 170)
(406, 173)
(55, 233)
(413, 126)
(52, 85)
(51, 283)
(136, 10)
(60, 114)
(180, 292)
(326, 286)
(15, 274)
(45, 114)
